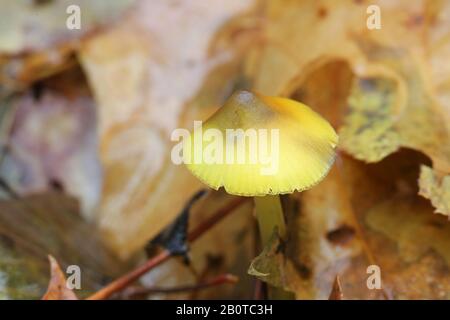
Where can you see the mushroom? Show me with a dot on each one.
(260, 146)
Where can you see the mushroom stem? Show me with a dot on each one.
(269, 214)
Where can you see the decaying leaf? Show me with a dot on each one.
(39, 25)
(18, 73)
(268, 265)
(336, 291)
(398, 97)
(36, 41)
(370, 121)
(363, 215)
(435, 188)
(168, 63)
(422, 243)
(33, 227)
(52, 142)
(57, 287)
(138, 110)
(384, 102)
(375, 128)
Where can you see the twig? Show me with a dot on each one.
(216, 217)
(127, 279)
(130, 277)
(259, 293)
(219, 280)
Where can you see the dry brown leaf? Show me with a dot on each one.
(39, 25)
(18, 73)
(57, 287)
(309, 260)
(336, 291)
(398, 231)
(436, 188)
(301, 58)
(418, 267)
(363, 215)
(38, 225)
(269, 265)
(166, 63)
(53, 143)
(399, 97)
(386, 89)
(35, 41)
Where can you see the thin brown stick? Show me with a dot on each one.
(127, 279)
(130, 277)
(216, 217)
(216, 281)
(259, 290)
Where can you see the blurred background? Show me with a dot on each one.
(90, 92)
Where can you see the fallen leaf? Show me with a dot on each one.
(422, 245)
(336, 291)
(37, 25)
(166, 61)
(381, 221)
(389, 113)
(435, 188)
(36, 43)
(268, 266)
(57, 287)
(370, 121)
(398, 95)
(52, 142)
(33, 227)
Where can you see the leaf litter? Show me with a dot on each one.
(385, 91)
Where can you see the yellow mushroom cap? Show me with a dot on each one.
(294, 146)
